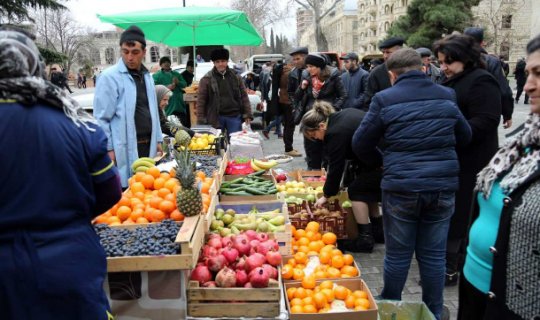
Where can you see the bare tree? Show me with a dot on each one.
(499, 19)
(58, 31)
(320, 8)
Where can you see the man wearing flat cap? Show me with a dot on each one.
(174, 81)
(379, 78)
(354, 80)
(222, 101)
(429, 68)
(125, 106)
(494, 66)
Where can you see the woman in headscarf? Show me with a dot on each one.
(479, 100)
(163, 94)
(501, 275)
(56, 177)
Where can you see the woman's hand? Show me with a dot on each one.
(304, 84)
(320, 202)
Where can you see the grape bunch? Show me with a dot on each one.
(153, 240)
(208, 164)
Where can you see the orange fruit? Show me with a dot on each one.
(292, 262)
(308, 300)
(310, 235)
(293, 230)
(138, 176)
(128, 221)
(297, 309)
(172, 173)
(287, 272)
(296, 301)
(124, 201)
(309, 308)
(171, 184)
(329, 238)
(337, 262)
(298, 274)
(155, 202)
(136, 214)
(360, 308)
(139, 195)
(137, 187)
(304, 249)
(360, 294)
(113, 220)
(159, 183)
(320, 300)
(163, 192)
(341, 292)
(176, 215)
(308, 282)
(158, 215)
(153, 171)
(142, 220)
(337, 252)
(362, 302)
(102, 219)
(301, 257)
(290, 293)
(320, 275)
(314, 246)
(123, 213)
(309, 292)
(313, 226)
(333, 272)
(148, 181)
(205, 187)
(327, 284)
(299, 234)
(349, 302)
(348, 259)
(328, 248)
(200, 174)
(325, 257)
(167, 206)
(304, 241)
(300, 293)
(329, 293)
(349, 270)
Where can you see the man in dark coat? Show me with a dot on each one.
(429, 68)
(378, 78)
(188, 73)
(59, 79)
(521, 77)
(354, 81)
(493, 66)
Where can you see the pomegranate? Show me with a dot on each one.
(265, 246)
(209, 284)
(226, 241)
(258, 278)
(231, 254)
(241, 243)
(262, 237)
(251, 234)
(201, 274)
(272, 272)
(241, 278)
(226, 278)
(216, 263)
(215, 242)
(209, 252)
(241, 263)
(254, 243)
(273, 258)
(248, 285)
(254, 261)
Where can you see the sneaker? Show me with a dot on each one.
(265, 134)
(293, 153)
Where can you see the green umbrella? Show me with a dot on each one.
(190, 26)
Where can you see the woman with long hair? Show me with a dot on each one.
(501, 275)
(335, 130)
(479, 100)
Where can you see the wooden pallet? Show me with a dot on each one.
(233, 302)
(190, 237)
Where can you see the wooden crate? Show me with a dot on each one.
(285, 258)
(336, 225)
(231, 198)
(353, 284)
(233, 302)
(303, 174)
(190, 237)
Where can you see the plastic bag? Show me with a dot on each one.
(246, 127)
(403, 310)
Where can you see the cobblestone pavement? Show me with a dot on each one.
(371, 265)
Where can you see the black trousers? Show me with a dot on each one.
(143, 149)
(519, 91)
(314, 154)
(472, 302)
(287, 119)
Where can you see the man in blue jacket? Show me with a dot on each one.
(421, 125)
(354, 80)
(125, 106)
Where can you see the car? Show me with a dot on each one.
(201, 70)
(86, 101)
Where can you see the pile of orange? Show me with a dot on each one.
(318, 299)
(151, 197)
(333, 263)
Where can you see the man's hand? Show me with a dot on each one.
(112, 156)
(507, 123)
(320, 202)
(159, 152)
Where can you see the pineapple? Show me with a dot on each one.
(181, 137)
(188, 199)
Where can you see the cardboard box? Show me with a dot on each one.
(303, 174)
(285, 258)
(353, 284)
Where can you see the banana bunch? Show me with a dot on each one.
(142, 164)
(259, 165)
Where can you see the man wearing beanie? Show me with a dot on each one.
(125, 106)
(175, 82)
(222, 101)
(378, 78)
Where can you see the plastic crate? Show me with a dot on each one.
(215, 148)
(336, 225)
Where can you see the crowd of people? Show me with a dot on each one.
(417, 134)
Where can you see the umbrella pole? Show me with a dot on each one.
(194, 56)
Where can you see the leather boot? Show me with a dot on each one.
(362, 243)
(378, 230)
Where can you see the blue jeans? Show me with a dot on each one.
(416, 223)
(277, 123)
(230, 124)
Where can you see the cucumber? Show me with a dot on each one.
(257, 173)
(238, 193)
(237, 180)
(255, 191)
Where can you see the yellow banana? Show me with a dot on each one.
(141, 163)
(265, 165)
(255, 167)
(141, 169)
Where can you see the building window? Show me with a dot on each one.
(355, 41)
(507, 21)
(154, 54)
(109, 56)
(386, 9)
(174, 55)
(355, 24)
(386, 26)
(95, 57)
